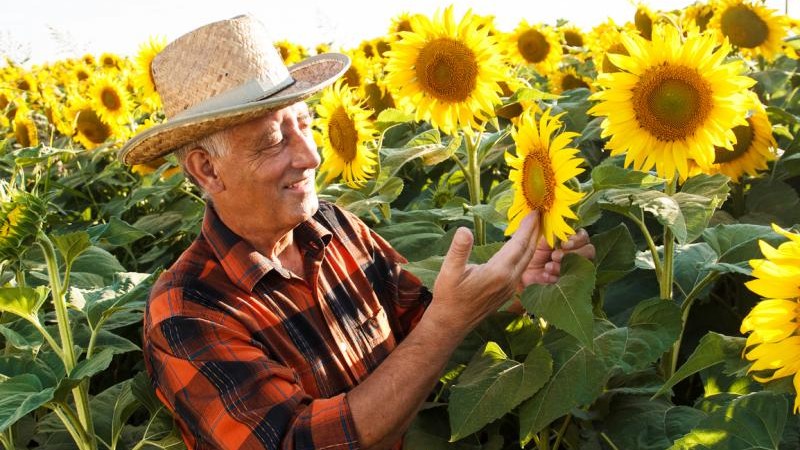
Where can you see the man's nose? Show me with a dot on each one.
(305, 154)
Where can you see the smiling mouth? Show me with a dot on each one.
(297, 184)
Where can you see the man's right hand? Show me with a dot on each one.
(464, 294)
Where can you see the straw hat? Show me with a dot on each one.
(220, 75)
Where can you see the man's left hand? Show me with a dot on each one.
(545, 266)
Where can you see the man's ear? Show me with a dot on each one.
(204, 170)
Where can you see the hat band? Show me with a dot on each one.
(250, 91)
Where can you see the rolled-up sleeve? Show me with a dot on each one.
(226, 391)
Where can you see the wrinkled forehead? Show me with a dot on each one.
(271, 122)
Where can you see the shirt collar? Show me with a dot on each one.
(243, 264)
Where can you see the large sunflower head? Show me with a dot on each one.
(673, 101)
(750, 27)
(755, 146)
(572, 36)
(143, 72)
(449, 71)
(346, 136)
(538, 46)
(110, 99)
(774, 323)
(542, 165)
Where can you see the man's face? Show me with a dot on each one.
(269, 172)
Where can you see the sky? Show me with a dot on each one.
(47, 30)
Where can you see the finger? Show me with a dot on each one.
(557, 255)
(552, 268)
(577, 240)
(455, 261)
(515, 249)
(587, 251)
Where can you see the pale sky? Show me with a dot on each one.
(46, 30)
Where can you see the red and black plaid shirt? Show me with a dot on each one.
(248, 356)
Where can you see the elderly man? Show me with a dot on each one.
(288, 323)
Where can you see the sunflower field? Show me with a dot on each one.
(672, 139)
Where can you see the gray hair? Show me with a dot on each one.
(216, 145)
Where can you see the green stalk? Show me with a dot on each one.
(650, 243)
(685, 308)
(473, 177)
(561, 431)
(81, 392)
(544, 439)
(72, 424)
(7, 440)
(669, 360)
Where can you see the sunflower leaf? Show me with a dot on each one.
(22, 301)
(567, 304)
(615, 253)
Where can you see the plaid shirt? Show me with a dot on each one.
(248, 356)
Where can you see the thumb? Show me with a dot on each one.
(458, 253)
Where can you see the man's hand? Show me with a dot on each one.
(464, 294)
(545, 266)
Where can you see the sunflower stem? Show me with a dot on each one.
(669, 360)
(686, 306)
(473, 177)
(650, 243)
(561, 431)
(57, 290)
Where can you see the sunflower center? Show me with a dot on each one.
(533, 46)
(81, 75)
(343, 134)
(671, 102)
(570, 81)
(404, 25)
(90, 125)
(110, 99)
(538, 181)
(743, 26)
(22, 133)
(377, 99)
(352, 78)
(744, 137)
(573, 38)
(447, 70)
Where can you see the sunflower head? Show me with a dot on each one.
(568, 78)
(110, 99)
(90, 129)
(672, 102)
(110, 61)
(643, 19)
(774, 323)
(697, 16)
(143, 74)
(750, 27)
(448, 70)
(21, 217)
(25, 131)
(537, 46)
(346, 136)
(540, 169)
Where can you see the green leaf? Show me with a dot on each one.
(94, 365)
(127, 291)
(663, 207)
(636, 422)
(713, 349)
(19, 396)
(492, 385)
(414, 240)
(430, 431)
(427, 269)
(771, 201)
(487, 213)
(609, 176)
(714, 187)
(444, 153)
(696, 211)
(567, 304)
(679, 420)
(111, 410)
(71, 245)
(614, 254)
(579, 373)
(116, 232)
(738, 243)
(691, 266)
(652, 329)
(359, 204)
(22, 301)
(155, 223)
(750, 422)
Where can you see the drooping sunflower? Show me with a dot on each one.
(673, 101)
(90, 130)
(346, 136)
(643, 19)
(535, 45)
(21, 217)
(143, 74)
(449, 71)
(774, 323)
(751, 27)
(25, 130)
(755, 146)
(567, 78)
(110, 99)
(697, 15)
(541, 166)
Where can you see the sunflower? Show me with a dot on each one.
(643, 19)
(80, 73)
(755, 146)
(323, 47)
(673, 101)
(290, 52)
(449, 71)
(90, 129)
(605, 38)
(400, 23)
(538, 172)
(110, 61)
(534, 45)
(110, 99)
(21, 218)
(750, 27)
(568, 78)
(151, 166)
(774, 323)
(345, 135)
(358, 72)
(143, 74)
(25, 130)
(89, 60)
(697, 16)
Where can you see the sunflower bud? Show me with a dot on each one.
(21, 217)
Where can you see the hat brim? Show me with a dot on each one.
(310, 76)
